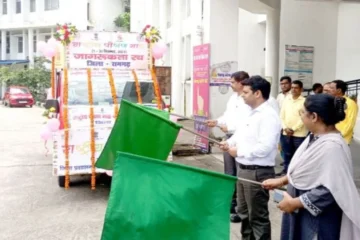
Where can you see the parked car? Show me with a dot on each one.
(18, 96)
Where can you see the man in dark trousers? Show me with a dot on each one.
(235, 111)
(254, 146)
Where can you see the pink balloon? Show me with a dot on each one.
(157, 55)
(52, 42)
(49, 52)
(162, 46)
(41, 45)
(45, 133)
(53, 124)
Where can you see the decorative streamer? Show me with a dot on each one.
(53, 72)
(156, 88)
(113, 92)
(137, 86)
(92, 130)
(66, 127)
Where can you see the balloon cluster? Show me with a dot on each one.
(49, 128)
(48, 49)
(158, 50)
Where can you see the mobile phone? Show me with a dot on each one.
(278, 196)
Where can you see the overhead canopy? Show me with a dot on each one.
(10, 62)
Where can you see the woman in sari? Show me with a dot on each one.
(322, 201)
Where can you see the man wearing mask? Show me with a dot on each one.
(294, 131)
(235, 111)
(338, 88)
(254, 145)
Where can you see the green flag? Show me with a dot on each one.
(155, 200)
(139, 130)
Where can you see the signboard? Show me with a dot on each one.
(221, 73)
(201, 78)
(79, 151)
(107, 50)
(299, 64)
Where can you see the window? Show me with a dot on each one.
(7, 43)
(4, 5)
(51, 5)
(18, 6)
(20, 44)
(32, 5)
(88, 11)
(34, 43)
(47, 37)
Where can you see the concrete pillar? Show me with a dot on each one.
(176, 56)
(3, 45)
(272, 50)
(31, 45)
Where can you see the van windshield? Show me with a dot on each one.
(125, 89)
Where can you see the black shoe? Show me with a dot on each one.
(280, 174)
(234, 218)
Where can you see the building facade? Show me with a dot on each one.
(25, 22)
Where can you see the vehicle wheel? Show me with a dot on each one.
(61, 181)
(10, 106)
(30, 106)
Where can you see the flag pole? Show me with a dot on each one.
(257, 183)
(200, 135)
(187, 118)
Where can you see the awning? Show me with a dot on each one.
(11, 62)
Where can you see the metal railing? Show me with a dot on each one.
(353, 89)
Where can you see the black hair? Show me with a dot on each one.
(257, 83)
(330, 109)
(299, 83)
(340, 84)
(286, 78)
(240, 76)
(316, 86)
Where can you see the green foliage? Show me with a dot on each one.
(37, 79)
(123, 21)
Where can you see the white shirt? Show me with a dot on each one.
(257, 138)
(274, 104)
(280, 98)
(235, 110)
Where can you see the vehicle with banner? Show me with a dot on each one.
(117, 64)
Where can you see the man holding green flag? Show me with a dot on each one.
(139, 130)
(170, 201)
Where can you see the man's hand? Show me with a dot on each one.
(233, 151)
(289, 131)
(224, 128)
(224, 146)
(211, 123)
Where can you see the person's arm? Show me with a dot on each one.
(268, 138)
(282, 115)
(351, 116)
(299, 124)
(316, 200)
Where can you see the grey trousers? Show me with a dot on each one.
(253, 204)
(230, 169)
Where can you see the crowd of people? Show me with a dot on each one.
(313, 135)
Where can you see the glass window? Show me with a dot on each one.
(20, 44)
(35, 44)
(125, 89)
(18, 6)
(32, 5)
(19, 90)
(51, 5)
(4, 5)
(7, 43)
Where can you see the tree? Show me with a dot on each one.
(37, 79)
(123, 21)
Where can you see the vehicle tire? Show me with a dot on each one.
(61, 181)
(10, 106)
(30, 106)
